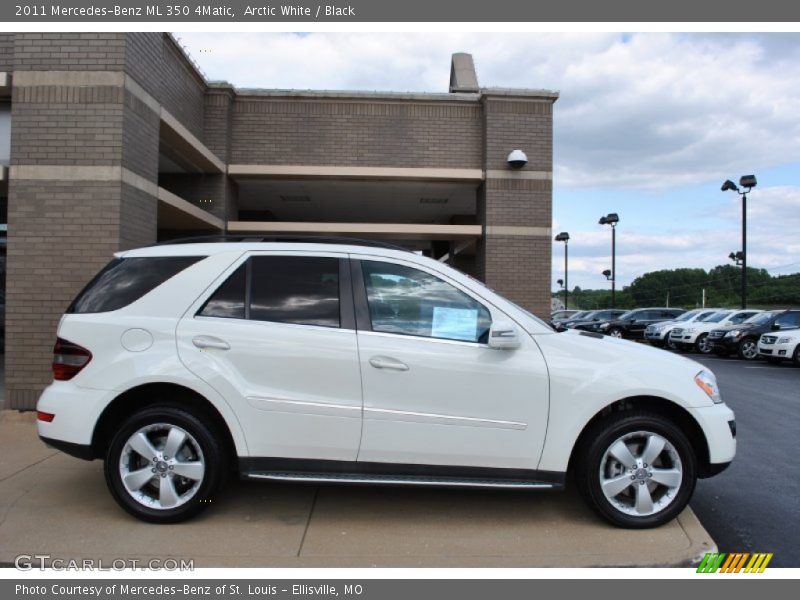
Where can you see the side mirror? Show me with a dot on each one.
(776, 327)
(504, 335)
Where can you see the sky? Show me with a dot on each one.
(647, 125)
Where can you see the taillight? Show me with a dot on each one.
(45, 416)
(68, 359)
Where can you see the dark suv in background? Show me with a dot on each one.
(592, 320)
(742, 339)
(632, 324)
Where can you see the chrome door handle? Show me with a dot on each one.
(208, 341)
(385, 362)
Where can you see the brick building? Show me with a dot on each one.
(117, 141)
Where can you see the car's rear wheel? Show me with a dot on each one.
(164, 465)
(636, 470)
(702, 345)
(748, 349)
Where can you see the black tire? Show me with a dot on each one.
(615, 332)
(214, 457)
(701, 346)
(593, 449)
(796, 356)
(747, 349)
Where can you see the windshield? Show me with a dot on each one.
(628, 315)
(760, 318)
(605, 315)
(717, 316)
(591, 314)
(687, 315)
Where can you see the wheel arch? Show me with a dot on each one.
(660, 406)
(150, 394)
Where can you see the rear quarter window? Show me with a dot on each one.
(125, 280)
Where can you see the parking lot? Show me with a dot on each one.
(753, 506)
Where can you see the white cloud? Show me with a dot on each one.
(773, 223)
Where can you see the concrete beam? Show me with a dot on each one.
(394, 231)
(176, 213)
(336, 172)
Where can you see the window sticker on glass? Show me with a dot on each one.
(454, 323)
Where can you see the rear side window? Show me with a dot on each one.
(125, 280)
(295, 289)
(283, 289)
(229, 299)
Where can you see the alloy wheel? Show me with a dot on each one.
(162, 466)
(703, 345)
(615, 333)
(749, 349)
(641, 473)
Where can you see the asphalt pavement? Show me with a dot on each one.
(754, 506)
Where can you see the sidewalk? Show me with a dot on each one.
(53, 504)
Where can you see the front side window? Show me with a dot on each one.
(125, 280)
(408, 301)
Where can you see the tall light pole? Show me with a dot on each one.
(612, 219)
(747, 182)
(564, 237)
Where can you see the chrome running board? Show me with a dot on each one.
(416, 480)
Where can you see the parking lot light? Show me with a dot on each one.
(746, 183)
(612, 219)
(564, 237)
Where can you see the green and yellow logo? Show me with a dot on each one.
(735, 562)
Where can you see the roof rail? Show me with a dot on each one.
(293, 239)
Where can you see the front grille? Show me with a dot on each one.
(716, 334)
(676, 332)
(649, 329)
(769, 339)
(766, 351)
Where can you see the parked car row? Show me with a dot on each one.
(750, 334)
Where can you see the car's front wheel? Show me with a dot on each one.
(637, 470)
(615, 332)
(748, 349)
(796, 356)
(703, 346)
(164, 465)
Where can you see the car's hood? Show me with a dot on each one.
(620, 365)
(731, 327)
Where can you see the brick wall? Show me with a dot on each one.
(356, 133)
(6, 51)
(57, 125)
(60, 234)
(69, 51)
(140, 133)
(519, 265)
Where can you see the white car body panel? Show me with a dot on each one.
(296, 391)
(784, 346)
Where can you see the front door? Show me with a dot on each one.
(434, 392)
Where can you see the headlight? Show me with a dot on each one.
(691, 330)
(734, 333)
(706, 381)
(785, 340)
(604, 326)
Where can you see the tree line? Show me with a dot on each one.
(685, 288)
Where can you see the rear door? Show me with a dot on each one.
(276, 337)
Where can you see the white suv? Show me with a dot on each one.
(658, 333)
(694, 336)
(778, 346)
(360, 363)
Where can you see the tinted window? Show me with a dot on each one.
(411, 302)
(788, 321)
(295, 289)
(125, 280)
(228, 301)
